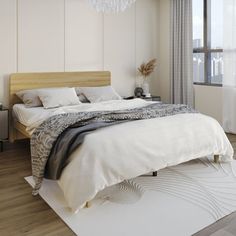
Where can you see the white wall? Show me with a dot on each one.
(8, 45)
(69, 35)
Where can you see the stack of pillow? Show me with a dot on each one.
(58, 97)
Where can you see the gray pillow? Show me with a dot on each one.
(30, 98)
(99, 94)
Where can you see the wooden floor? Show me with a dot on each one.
(20, 212)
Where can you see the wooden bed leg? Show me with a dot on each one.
(88, 204)
(216, 158)
(154, 173)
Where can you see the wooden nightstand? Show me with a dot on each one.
(4, 126)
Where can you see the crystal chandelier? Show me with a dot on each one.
(111, 5)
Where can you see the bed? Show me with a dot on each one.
(160, 141)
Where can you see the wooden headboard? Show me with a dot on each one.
(25, 81)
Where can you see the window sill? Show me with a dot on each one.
(208, 84)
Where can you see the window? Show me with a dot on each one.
(208, 65)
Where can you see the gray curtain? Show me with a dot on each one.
(181, 52)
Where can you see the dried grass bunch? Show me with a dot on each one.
(146, 69)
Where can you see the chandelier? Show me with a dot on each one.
(111, 5)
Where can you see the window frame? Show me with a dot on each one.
(206, 49)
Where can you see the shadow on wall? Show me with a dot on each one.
(5, 92)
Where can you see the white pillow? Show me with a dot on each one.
(58, 97)
(99, 94)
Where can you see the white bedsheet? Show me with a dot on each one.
(33, 117)
(110, 155)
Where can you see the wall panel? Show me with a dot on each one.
(40, 35)
(119, 49)
(7, 45)
(84, 37)
(147, 40)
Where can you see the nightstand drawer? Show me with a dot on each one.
(3, 124)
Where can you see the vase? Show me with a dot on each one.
(138, 81)
(145, 86)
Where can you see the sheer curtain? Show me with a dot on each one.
(181, 52)
(229, 80)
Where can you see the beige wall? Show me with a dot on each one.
(208, 99)
(69, 35)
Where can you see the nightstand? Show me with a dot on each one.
(4, 126)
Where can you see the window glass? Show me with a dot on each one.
(198, 67)
(217, 68)
(198, 21)
(208, 65)
(216, 30)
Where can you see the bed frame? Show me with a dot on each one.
(24, 81)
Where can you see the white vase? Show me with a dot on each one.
(145, 88)
(139, 82)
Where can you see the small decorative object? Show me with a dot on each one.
(111, 5)
(138, 92)
(145, 70)
(146, 92)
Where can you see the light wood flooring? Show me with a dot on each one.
(20, 212)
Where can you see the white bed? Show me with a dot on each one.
(113, 154)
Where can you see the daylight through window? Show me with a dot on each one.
(208, 65)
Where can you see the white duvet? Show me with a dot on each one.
(112, 154)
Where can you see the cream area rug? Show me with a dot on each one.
(180, 201)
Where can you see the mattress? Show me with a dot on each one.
(33, 117)
(24, 115)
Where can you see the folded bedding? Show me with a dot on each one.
(91, 149)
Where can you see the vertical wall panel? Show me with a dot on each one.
(84, 37)
(147, 41)
(41, 35)
(119, 49)
(7, 45)
(165, 61)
